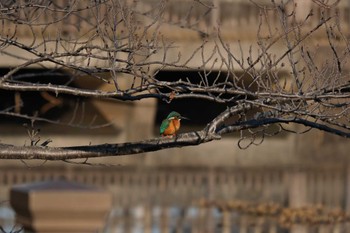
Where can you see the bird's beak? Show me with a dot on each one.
(185, 118)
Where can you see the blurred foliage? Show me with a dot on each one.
(285, 216)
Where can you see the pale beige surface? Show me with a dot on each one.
(60, 206)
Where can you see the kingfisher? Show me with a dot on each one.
(171, 124)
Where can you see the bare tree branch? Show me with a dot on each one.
(214, 131)
(293, 72)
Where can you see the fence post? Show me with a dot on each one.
(297, 181)
(347, 189)
(60, 206)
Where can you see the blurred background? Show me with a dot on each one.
(288, 183)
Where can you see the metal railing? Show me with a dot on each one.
(168, 199)
(181, 186)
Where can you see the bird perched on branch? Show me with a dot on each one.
(171, 124)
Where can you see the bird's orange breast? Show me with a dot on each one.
(174, 126)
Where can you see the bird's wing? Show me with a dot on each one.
(163, 126)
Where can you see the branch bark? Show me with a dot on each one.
(213, 131)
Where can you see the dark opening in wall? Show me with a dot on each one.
(47, 105)
(43, 104)
(199, 111)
